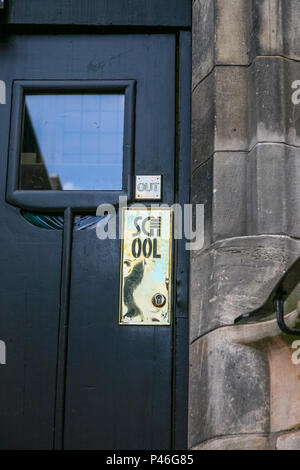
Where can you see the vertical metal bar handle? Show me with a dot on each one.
(62, 347)
(279, 303)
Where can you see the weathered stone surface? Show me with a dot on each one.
(222, 363)
(221, 185)
(231, 108)
(250, 193)
(201, 193)
(223, 401)
(235, 276)
(289, 441)
(273, 190)
(284, 383)
(230, 195)
(234, 32)
(267, 35)
(203, 39)
(245, 169)
(235, 108)
(264, 335)
(203, 122)
(273, 117)
(219, 114)
(277, 27)
(284, 372)
(248, 442)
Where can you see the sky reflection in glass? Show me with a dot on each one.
(73, 142)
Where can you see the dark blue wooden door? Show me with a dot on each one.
(115, 388)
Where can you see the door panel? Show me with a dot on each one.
(124, 379)
(118, 378)
(29, 311)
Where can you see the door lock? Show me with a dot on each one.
(159, 300)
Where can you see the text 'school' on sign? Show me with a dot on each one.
(146, 266)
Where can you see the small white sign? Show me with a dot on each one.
(2, 353)
(2, 92)
(148, 187)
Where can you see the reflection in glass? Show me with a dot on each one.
(72, 142)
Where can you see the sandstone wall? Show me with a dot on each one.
(244, 388)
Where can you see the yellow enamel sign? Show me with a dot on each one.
(145, 291)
